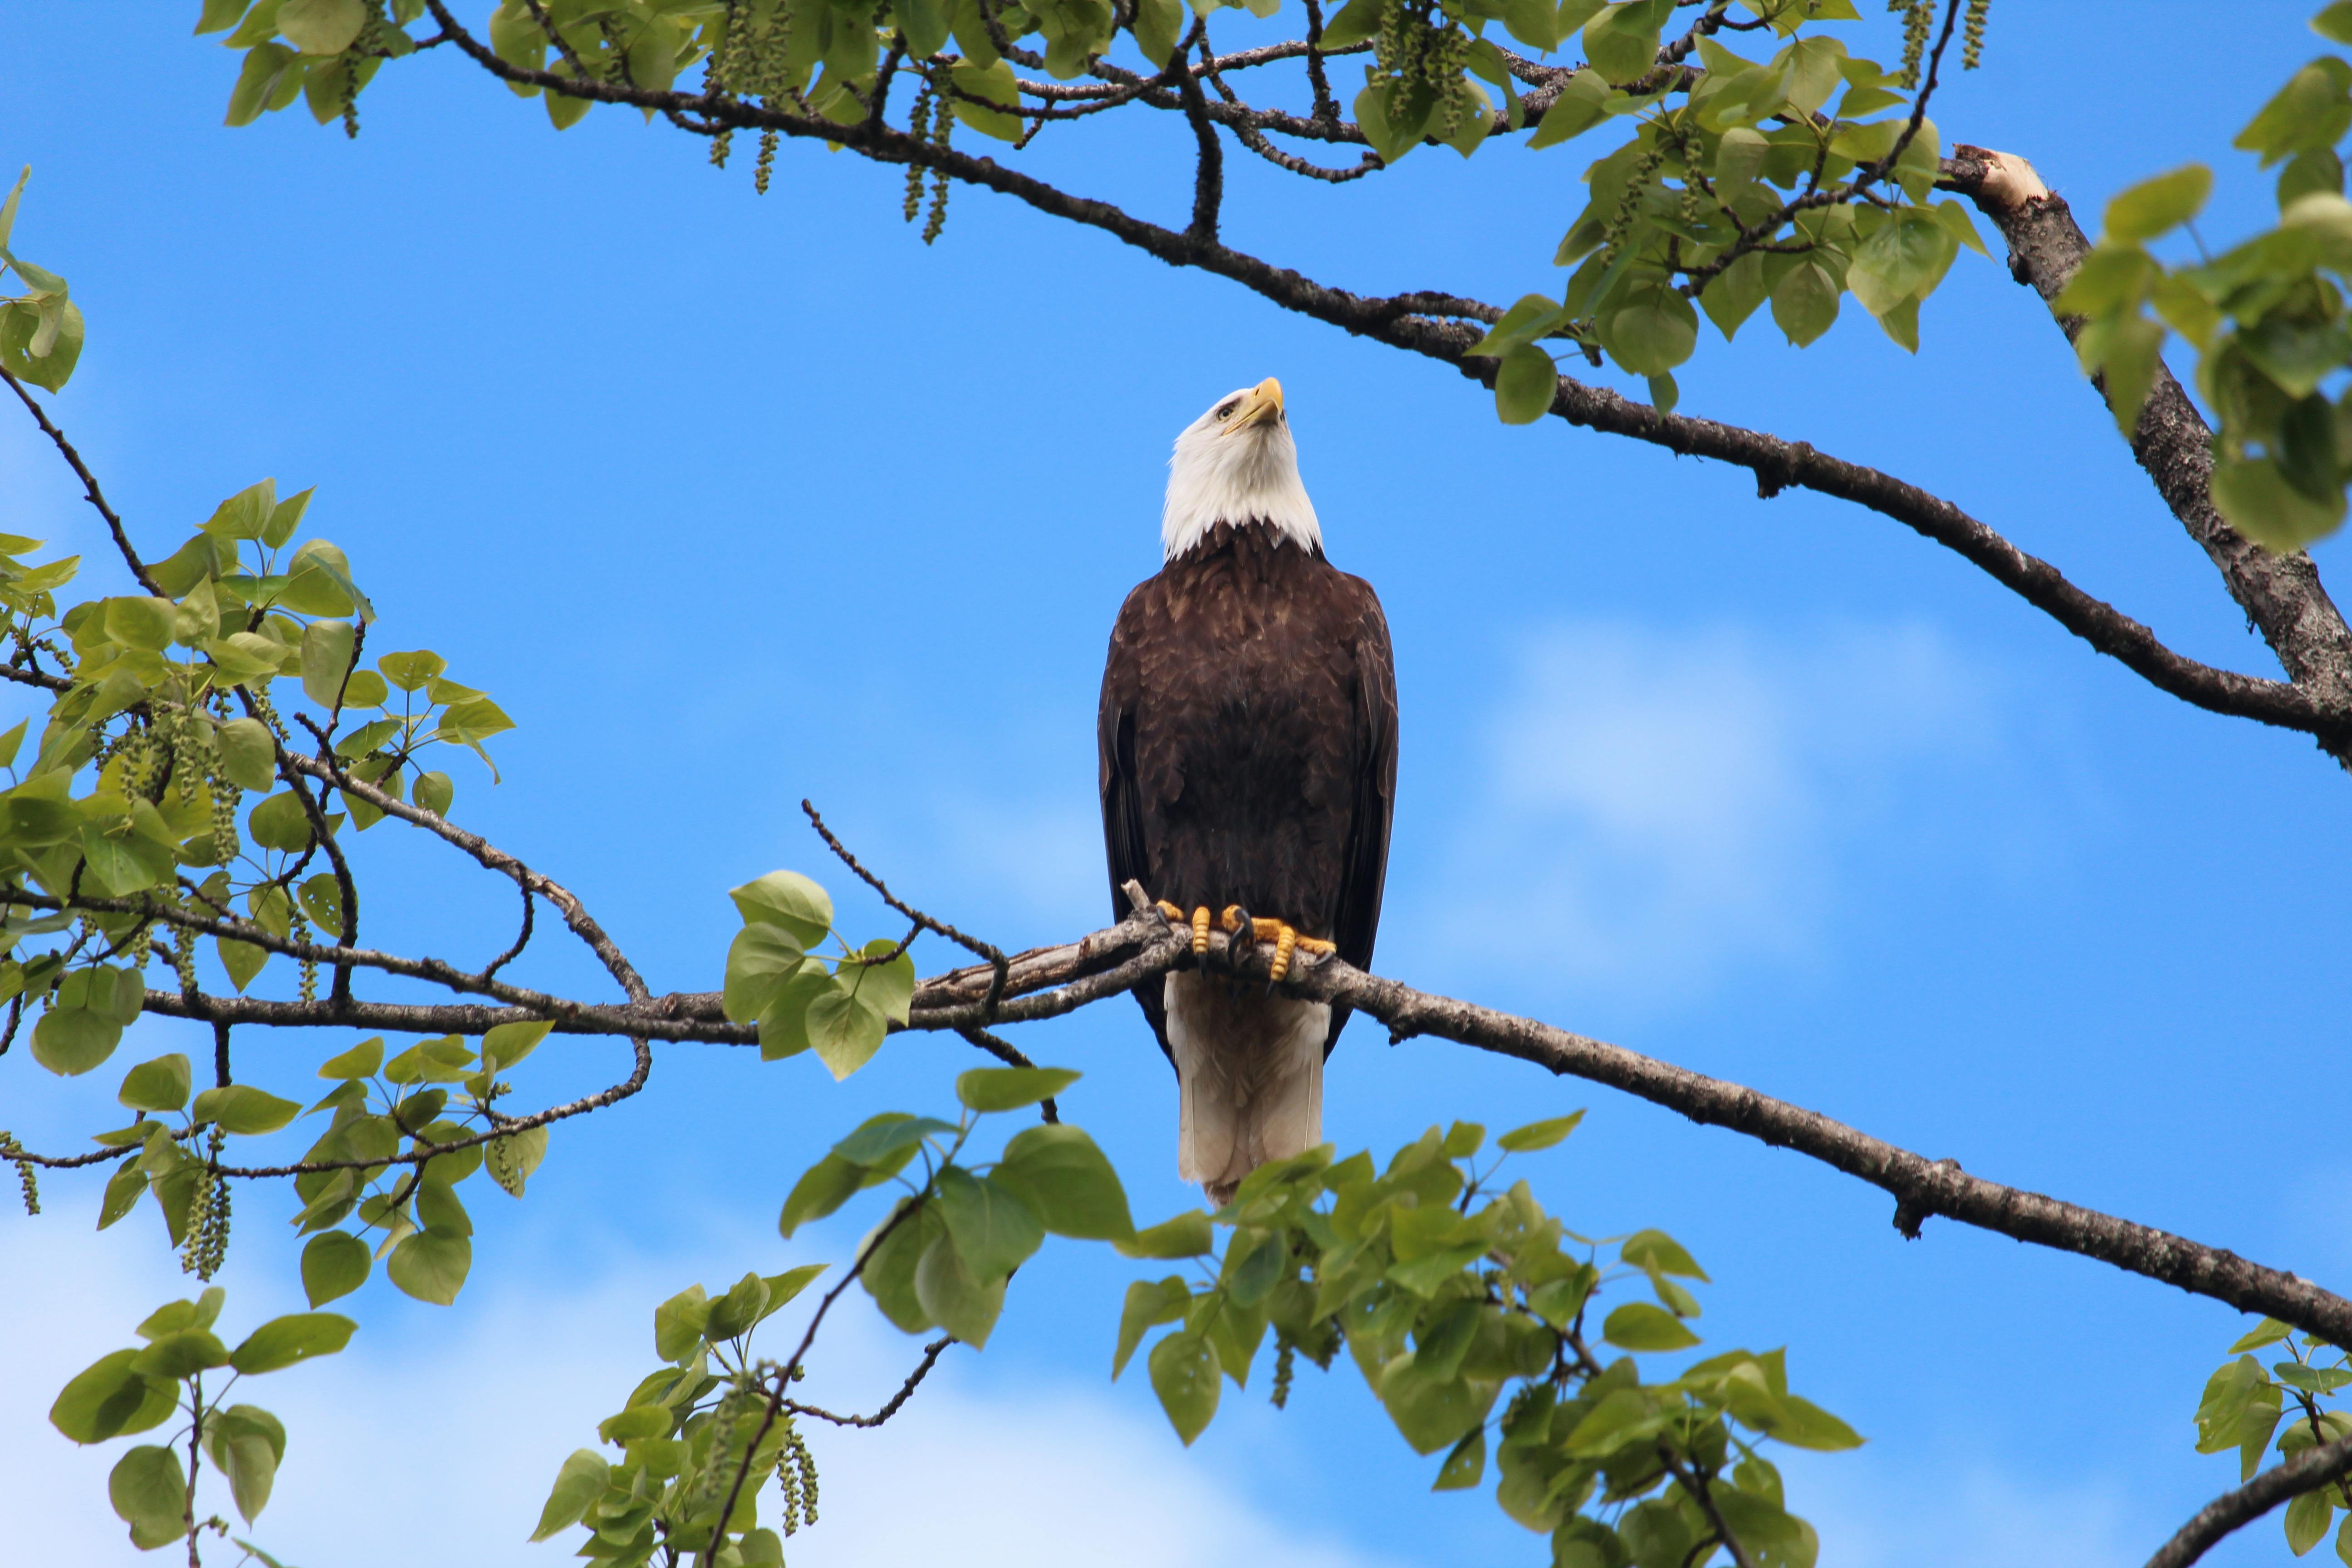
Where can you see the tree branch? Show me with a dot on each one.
(2307, 1471)
(90, 491)
(2282, 594)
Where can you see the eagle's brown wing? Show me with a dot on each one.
(1365, 872)
(1122, 795)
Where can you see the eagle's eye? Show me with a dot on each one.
(1225, 410)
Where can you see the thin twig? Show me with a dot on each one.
(931, 1353)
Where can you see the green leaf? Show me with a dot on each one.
(247, 1445)
(2251, 492)
(892, 1250)
(1656, 1251)
(1622, 41)
(988, 99)
(782, 1288)
(71, 1041)
(1355, 23)
(299, 1336)
(2307, 1519)
(745, 1303)
(822, 1188)
(947, 1290)
(327, 648)
(1531, 318)
(321, 26)
(241, 960)
(412, 671)
(1160, 23)
(1432, 1412)
(2126, 352)
(335, 1264)
(23, 327)
(174, 1316)
(360, 1061)
(788, 900)
(2311, 110)
(248, 754)
(1149, 1303)
(2160, 205)
(678, 1323)
(123, 1189)
(1651, 329)
(1539, 1134)
(993, 1230)
(1010, 1089)
(1187, 1236)
(513, 1157)
(762, 958)
(139, 622)
(845, 1033)
(435, 792)
(508, 1044)
(2270, 1331)
(160, 1084)
(1463, 1468)
(578, 1485)
(1639, 1326)
(1805, 302)
(1802, 1424)
(1062, 1175)
(183, 1352)
(1525, 385)
(107, 1399)
(1185, 1376)
(242, 1109)
(431, 1265)
(150, 1492)
(887, 1138)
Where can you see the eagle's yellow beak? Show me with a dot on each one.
(1263, 405)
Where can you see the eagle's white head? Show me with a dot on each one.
(1237, 464)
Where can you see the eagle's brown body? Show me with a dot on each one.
(1247, 738)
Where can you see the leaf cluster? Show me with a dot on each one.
(140, 1388)
(2289, 1406)
(2267, 318)
(1474, 1324)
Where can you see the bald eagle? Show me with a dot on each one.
(1247, 743)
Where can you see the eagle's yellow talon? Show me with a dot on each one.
(1231, 921)
(1284, 941)
(1171, 911)
(1317, 944)
(1200, 931)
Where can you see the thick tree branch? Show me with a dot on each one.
(2282, 594)
(2307, 1471)
(1921, 1188)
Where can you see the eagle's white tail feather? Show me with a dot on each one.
(1250, 1072)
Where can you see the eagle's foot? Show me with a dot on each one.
(1200, 931)
(1285, 937)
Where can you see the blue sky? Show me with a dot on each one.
(731, 500)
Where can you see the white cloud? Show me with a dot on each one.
(471, 1411)
(1660, 806)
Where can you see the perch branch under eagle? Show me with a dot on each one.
(1247, 742)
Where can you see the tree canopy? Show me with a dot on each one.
(214, 724)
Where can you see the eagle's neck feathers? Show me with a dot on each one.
(1236, 476)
